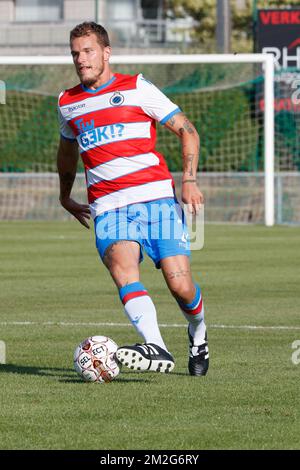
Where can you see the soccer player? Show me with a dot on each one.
(111, 118)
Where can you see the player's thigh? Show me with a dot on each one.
(122, 260)
(178, 276)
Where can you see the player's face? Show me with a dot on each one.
(90, 59)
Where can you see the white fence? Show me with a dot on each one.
(229, 197)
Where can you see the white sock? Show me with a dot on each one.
(194, 313)
(141, 311)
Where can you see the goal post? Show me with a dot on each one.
(265, 61)
(269, 141)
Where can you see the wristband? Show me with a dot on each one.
(189, 181)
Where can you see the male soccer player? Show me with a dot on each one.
(111, 117)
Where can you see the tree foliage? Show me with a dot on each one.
(204, 13)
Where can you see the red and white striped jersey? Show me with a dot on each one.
(115, 127)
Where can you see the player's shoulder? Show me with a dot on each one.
(143, 80)
(126, 80)
(71, 95)
(137, 81)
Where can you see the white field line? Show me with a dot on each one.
(162, 325)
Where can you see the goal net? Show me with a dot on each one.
(228, 98)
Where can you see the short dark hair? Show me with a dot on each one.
(89, 27)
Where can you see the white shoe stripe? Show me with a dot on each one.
(152, 349)
(144, 348)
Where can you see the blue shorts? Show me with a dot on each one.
(158, 226)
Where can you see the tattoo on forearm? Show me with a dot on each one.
(188, 164)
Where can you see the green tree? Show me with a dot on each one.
(204, 12)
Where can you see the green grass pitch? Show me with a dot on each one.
(52, 279)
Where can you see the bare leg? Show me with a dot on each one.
(177, 273)
(122, 261)
(178, 276)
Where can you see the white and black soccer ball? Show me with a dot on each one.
(95, 359)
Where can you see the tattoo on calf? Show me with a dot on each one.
(176, 274)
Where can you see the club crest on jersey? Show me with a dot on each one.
(117, 99)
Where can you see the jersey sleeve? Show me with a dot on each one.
(154, 102)
(65, 130)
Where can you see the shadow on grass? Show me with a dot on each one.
(34, 370)
(62, 374)
(117, 380)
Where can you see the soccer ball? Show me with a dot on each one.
(95, 360)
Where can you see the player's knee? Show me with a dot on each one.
(183, 291)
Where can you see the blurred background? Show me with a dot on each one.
(42, 26)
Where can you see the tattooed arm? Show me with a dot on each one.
(67, 159)
(190, 143)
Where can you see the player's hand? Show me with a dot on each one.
(192, 196)
(80, 211)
